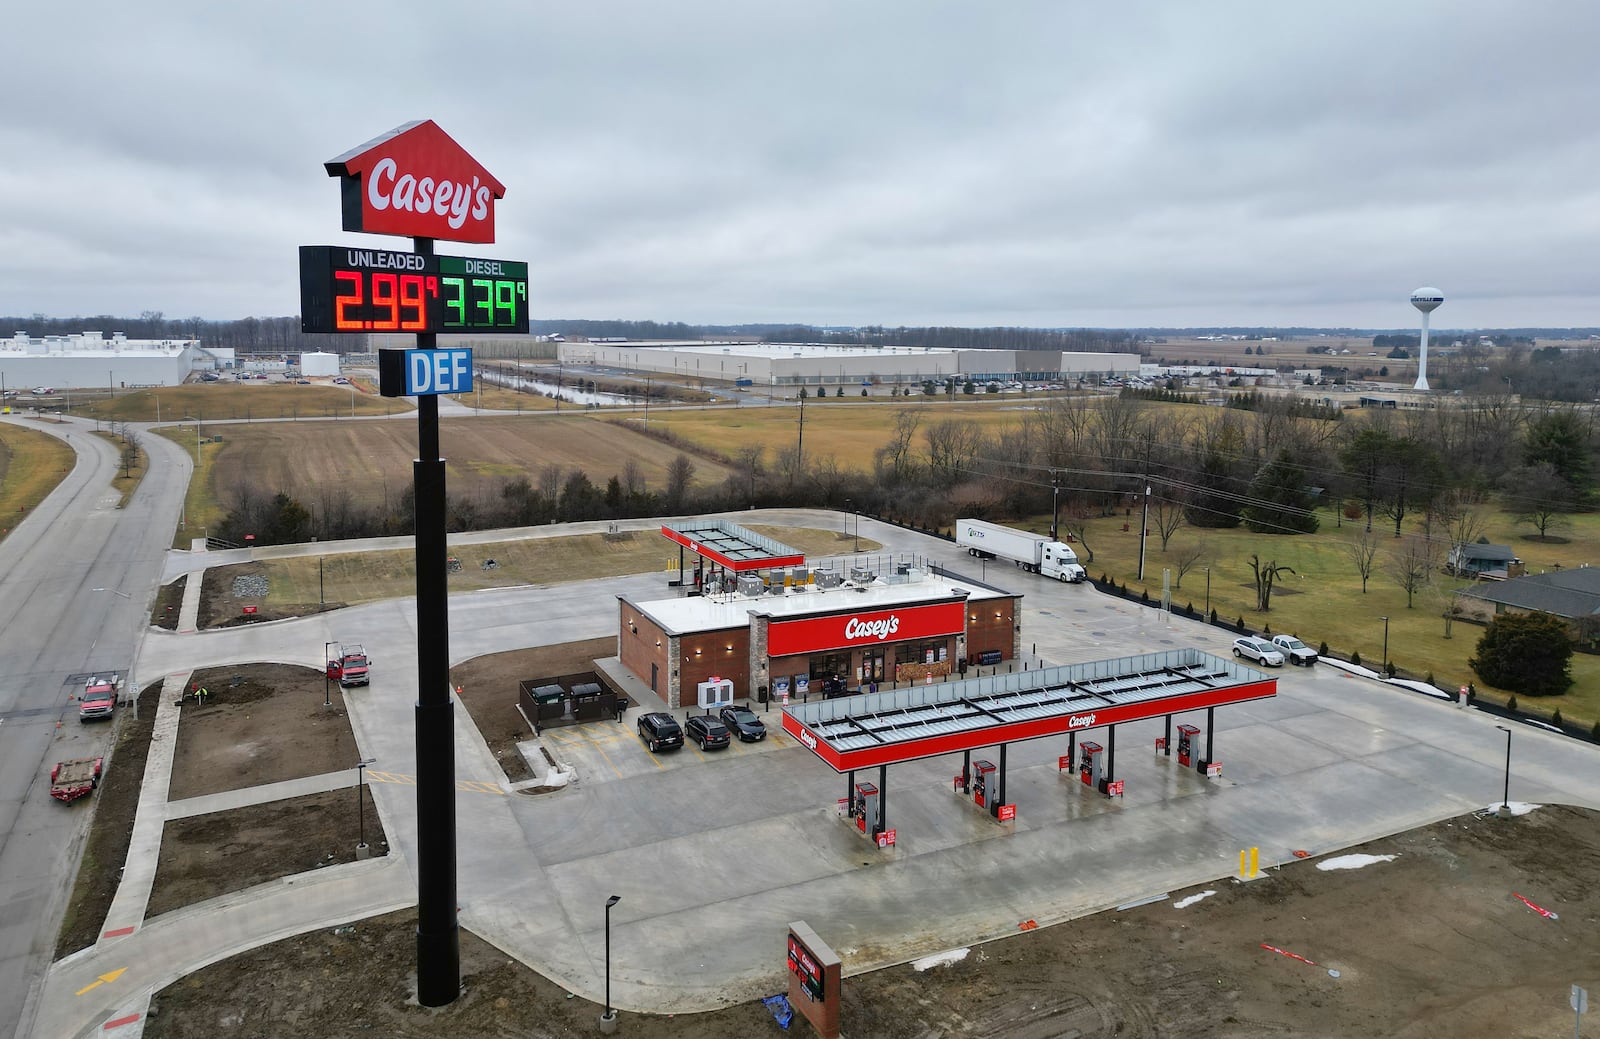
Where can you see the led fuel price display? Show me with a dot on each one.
(345, 289)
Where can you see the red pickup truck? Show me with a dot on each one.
(351, 667)
(99, 699)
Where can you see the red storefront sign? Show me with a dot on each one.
(872, 628)
(416, 180)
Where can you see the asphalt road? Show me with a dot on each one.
(77, 578)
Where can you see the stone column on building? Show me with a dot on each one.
(759, 675)
(675, 664)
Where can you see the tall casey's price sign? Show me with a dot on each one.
(417, 181)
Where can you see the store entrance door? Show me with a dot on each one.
(872, 665)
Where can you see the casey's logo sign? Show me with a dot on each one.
(416, 180)
(879, 629)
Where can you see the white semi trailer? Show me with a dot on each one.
(1034, 553)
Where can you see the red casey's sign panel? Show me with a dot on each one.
(841, 631)
(416, 180)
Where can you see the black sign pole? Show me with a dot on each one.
(438, 939)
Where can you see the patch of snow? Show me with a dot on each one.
(1540, 725)
(1185, 903)
(1353, 861)
(1422, 687)
(1516, 807)
(939, 959)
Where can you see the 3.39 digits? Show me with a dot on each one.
(398, 302)
(483, 302)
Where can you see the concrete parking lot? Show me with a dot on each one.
(714, 854)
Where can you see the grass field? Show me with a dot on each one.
(31, 465)
(370, 576)
(215, 402)
(1323, 602)
(372, 460)
(201, 510)
(849, 432)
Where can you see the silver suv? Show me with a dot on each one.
(1259, 650)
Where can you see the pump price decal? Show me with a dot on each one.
(373, 290)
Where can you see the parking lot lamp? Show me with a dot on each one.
(608, 1020)
(1208, 594)
(361, 806)
(1385, 645)
(1505, 794)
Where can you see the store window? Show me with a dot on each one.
(830, 665)
(920, 652)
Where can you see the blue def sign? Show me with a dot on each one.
(424, 373)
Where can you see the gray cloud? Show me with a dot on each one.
(1042, 163)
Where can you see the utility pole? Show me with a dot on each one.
(1055, 505)
(800, 443)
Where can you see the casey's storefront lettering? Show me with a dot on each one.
(875, 627)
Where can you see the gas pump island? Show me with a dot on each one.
(900, 725)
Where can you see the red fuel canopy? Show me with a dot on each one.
(733, 546)
(926, 721)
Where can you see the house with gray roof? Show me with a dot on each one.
(1482, 560)
(1573, 595)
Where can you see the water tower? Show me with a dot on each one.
(1427, 300)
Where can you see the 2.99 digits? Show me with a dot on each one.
(396, 302)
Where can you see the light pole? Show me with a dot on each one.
(608, 1020)
(361, 806)
(327, 677)
(1385, 644)
(1505, 795)
(1208, 593)
(1055, 507)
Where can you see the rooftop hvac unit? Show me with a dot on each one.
(861, 575)
(828, 579)
(749, 584)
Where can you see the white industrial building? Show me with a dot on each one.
(316, 364)
(88, 359)
(821, 364)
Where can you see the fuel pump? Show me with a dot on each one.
(983, 789)
(1188, 745)
(864, 807)
(1091, 765)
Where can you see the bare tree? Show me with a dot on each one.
(130, 451)
(632, 477)
(896, 459)
(1077, 527)
(953, 445)
(749, 462)
(1410, 565)
(1542, 498)
(550, 479)
(1363, 552)
(1190, 555)
(679, 473)
(1463, 514)
(1168, 513)
(1266, 575)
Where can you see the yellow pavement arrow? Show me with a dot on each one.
(104, 978)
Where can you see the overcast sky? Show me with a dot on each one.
(912, 162)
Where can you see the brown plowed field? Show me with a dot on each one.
(369, 459)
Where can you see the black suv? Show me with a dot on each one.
(744, 722)
(660, 731)
(711, 734)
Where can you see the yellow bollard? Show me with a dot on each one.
(1254, 859)
(1242, 874)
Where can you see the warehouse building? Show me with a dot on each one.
(795, 365)
(89, 360)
